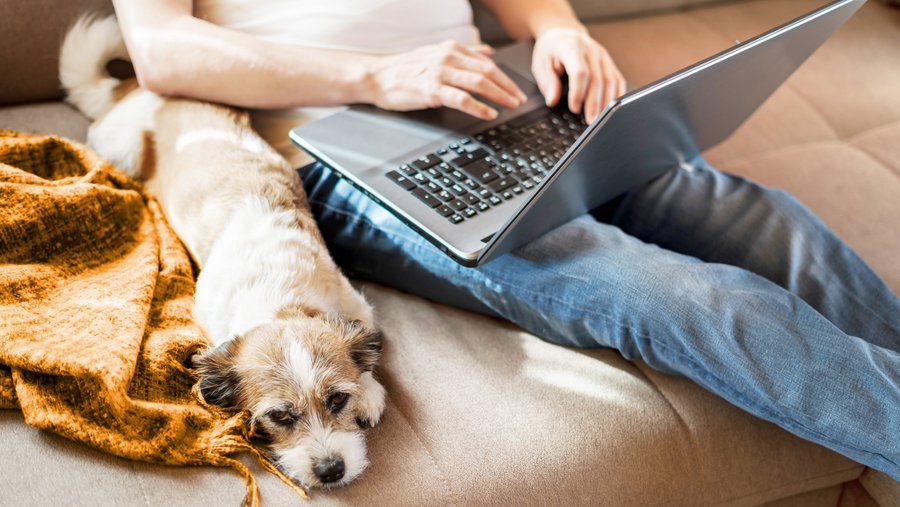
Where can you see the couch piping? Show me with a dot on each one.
(859, 468)
(137, 477)
(447, 488)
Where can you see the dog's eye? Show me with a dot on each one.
(337, 401)
(282, 417)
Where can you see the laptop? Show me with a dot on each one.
(479, 189)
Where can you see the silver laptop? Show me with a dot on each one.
(479, 189)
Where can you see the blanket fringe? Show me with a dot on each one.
(220, 453)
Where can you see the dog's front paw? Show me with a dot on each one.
(371, 404)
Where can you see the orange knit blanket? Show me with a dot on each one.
(95, 313)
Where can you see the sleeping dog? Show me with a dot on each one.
(292, 341)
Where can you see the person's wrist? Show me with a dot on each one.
(364, 88)
(558, 25)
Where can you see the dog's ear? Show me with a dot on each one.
(219, 380)
(365, 345)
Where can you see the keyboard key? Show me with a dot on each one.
(420, 178)
(482, 206)
(458, 205)
(502, 184)
(457, 175)
(495, 200)
(507, 195)
(401, 180)
(429, 200)
(407, 170)
(445, 210)
(482, 172)
(484, 192)
(442, 151)
(517, 189)
(458, 190)
(433, 187)
(426, 162)
(469, 212)
(445, 196)
(469, 182)
(528, 184)
(433, 172)
(529, 118)
(471, 199)
(456, 218)
(468, 158)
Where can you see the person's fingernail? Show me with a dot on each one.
(492, 113)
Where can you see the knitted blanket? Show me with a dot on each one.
(96, 332)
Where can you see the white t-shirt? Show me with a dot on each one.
(365, 26)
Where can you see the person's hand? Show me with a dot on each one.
(446, 74)
(594, 80)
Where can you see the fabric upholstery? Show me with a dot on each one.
(31, 37)
(481, 413)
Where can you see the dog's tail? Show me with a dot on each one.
(90, 44)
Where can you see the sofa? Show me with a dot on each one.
(481, 412)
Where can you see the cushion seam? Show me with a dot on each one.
(754, 159)
(804, 481)
(441, 474)
(137, 477)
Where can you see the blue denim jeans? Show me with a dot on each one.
(699, 274)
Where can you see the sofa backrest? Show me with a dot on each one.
(30, 39)
(588, 10)
(33, 30)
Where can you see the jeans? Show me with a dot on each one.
(697, 273)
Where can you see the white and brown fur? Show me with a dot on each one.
(292, 341)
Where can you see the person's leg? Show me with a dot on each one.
(587, 283)
(726, 219)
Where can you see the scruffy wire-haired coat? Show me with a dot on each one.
(292, 341)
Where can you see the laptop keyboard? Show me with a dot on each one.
(477, 174)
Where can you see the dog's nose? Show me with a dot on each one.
(330, 471)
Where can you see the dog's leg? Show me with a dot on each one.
(371, 406)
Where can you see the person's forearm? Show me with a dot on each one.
(188, 57)
(524, 19)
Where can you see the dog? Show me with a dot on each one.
(292, 341)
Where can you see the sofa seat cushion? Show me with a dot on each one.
(480, 412)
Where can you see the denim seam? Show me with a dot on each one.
(712, 378)
(413, 244)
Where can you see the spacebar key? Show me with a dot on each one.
(427, 198)
(529, 118)
(501, 184)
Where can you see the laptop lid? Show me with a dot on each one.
(666, 123)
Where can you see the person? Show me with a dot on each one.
(698, 273)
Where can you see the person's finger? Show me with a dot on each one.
(610, 75)
(457, 99)
(547, 79)
(481, 84)
(483, 49)
(593, 102)
(579, 75)
(490, 69)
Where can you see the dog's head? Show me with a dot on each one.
(300, 378)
